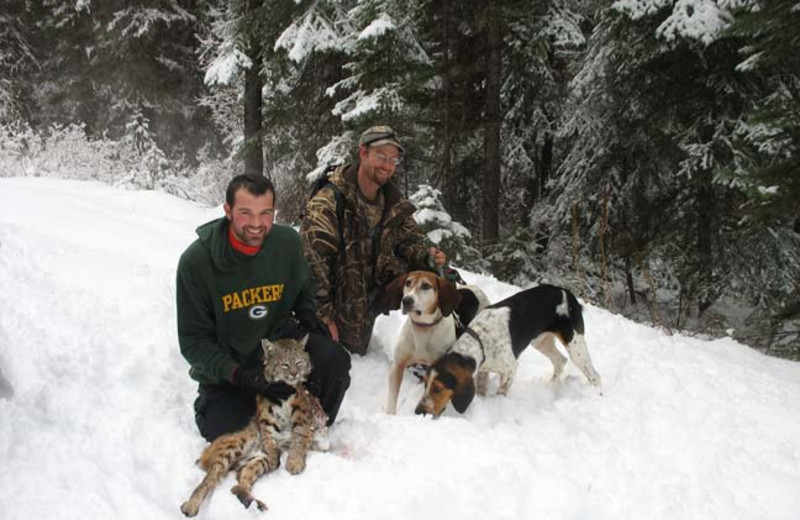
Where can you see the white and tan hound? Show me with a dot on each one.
(436, 308)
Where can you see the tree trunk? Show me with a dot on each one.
(492, 125)
(448, 182)
(547, 165)
(629, 282)
(705, 241)
(253, 85)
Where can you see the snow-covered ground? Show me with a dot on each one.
(100, 424)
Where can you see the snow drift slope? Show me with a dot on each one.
(100, 425)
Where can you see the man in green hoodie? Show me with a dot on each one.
(244, 279)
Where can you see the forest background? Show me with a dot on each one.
(645, 153)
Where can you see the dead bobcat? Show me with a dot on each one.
(294, 424)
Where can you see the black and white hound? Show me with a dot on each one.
(495, 339)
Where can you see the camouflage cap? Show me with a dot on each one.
(379, 136)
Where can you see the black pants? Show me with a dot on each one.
(221, 409)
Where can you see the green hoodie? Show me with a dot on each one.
(228, 301)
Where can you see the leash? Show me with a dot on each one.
(474, 334)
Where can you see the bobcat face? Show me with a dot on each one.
(286, 360)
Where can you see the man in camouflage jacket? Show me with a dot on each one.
(381, 239)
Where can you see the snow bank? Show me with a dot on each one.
(100, 425)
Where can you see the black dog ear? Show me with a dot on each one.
(390, 295)
(449, 297)
(464, 394)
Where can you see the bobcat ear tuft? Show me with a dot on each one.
(304, 341)
(267, 346)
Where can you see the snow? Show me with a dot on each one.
(100, 425)
(377, 28)
(309, 34)
(702, 20)
(360, 102)
(426, 215)
(226, 66)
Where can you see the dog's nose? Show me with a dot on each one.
(408, 301)
(421, 410)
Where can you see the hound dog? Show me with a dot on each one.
(496, 338)
(436, 308)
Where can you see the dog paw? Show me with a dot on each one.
(419, 371)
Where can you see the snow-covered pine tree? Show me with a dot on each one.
(16, 61)
(384, 61)
(542, 40)
(653, 124)
(767, 170)
(298, 62)
(143, 58)
(383, 65)
(146, 163)
(770, 136)
(445, 233)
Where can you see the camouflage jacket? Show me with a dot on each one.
(339, 271)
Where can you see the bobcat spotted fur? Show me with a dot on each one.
(294, 424)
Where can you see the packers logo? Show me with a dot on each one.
(253, 299)
(258, 311)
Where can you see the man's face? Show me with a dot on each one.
(379, 162)
(251, 216)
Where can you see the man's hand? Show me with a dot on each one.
(276, 392)
(253, 379)
(437, 256)
(311, 323)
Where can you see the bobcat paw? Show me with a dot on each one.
(246, 498)
(189, 509)
(295, 465)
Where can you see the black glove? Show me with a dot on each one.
(452, 275)
(311, 323)
(253, 379)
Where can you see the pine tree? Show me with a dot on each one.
(17, 61)
(443, 232)
(770, 137)
(100, 63)
(768, 172)
(145, 63)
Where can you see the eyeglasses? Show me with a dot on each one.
(391, 160)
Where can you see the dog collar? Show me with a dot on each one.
(426, 325)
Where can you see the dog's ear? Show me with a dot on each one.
(464, 394)
(390, 295)
(449, 297)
